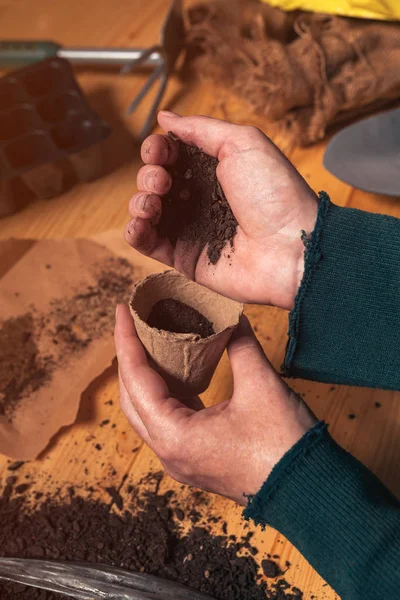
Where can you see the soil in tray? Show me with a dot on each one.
(175, 316)
(195, 210)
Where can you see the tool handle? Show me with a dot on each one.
(18, 53)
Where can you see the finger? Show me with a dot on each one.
(159, 150)
(248, 359)
(213, 136)
(143, 237)
(146, 389)
(153, 179)
(146, 206)
(129, 410)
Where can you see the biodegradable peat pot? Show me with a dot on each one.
(186, 361)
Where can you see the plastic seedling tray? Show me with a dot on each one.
(50, 138)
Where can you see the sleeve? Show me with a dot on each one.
(345, 324)
(337, 513)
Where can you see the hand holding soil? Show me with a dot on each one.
(212, 448)
(268, 198)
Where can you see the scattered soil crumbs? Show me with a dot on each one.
(15, 465)
(115, 497)
(22, 369)
(34, 345)
(270, 568)
(145, 537)
(196, 210)
(75, 322)
(173, 315)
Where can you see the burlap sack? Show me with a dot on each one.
(186, 361)
(303, 71)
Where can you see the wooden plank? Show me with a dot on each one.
(90, 209)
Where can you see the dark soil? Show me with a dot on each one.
(270, 568)
(115, 497)
(178, 317)
(34, 345)
(15, 465)
(196, 210)
(76, 321)
(22, 369)
(144, 537)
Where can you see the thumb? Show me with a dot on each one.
(248, 360)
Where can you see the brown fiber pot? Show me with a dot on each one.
(186, 361)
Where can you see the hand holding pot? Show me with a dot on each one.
(229, 449)
(270, 200)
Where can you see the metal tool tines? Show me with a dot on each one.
(161, 58)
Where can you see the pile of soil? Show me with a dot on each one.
(195, 210)
(74, 322)
(22, 369)
(34, 345)
(147, 536)
(178, 317)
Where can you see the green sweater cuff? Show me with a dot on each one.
(337, 513)
(345, 325)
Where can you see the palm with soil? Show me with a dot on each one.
(270, 200)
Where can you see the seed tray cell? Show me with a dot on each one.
(50, 138)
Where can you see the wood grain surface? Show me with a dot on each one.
(92, 208)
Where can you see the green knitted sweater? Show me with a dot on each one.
(344, 328)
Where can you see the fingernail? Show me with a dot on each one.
(131, 225)
(146, 146)
(149, 179)
(141, 201)
(168, 113)
(116, 311)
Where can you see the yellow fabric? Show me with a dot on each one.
(388, 10)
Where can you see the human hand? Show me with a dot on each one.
(270, 200)
(229, 449)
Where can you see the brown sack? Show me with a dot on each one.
(186, 361)
(303, 71)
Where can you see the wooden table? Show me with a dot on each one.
(102, 205)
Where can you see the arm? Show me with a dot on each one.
(272, 205)
(339, 515)
(345, 325)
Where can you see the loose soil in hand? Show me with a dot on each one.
(145, 535)
(196, 210)
(178, 317)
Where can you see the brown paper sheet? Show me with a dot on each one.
(42, 285)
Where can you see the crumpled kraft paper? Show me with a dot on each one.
(63, 294)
